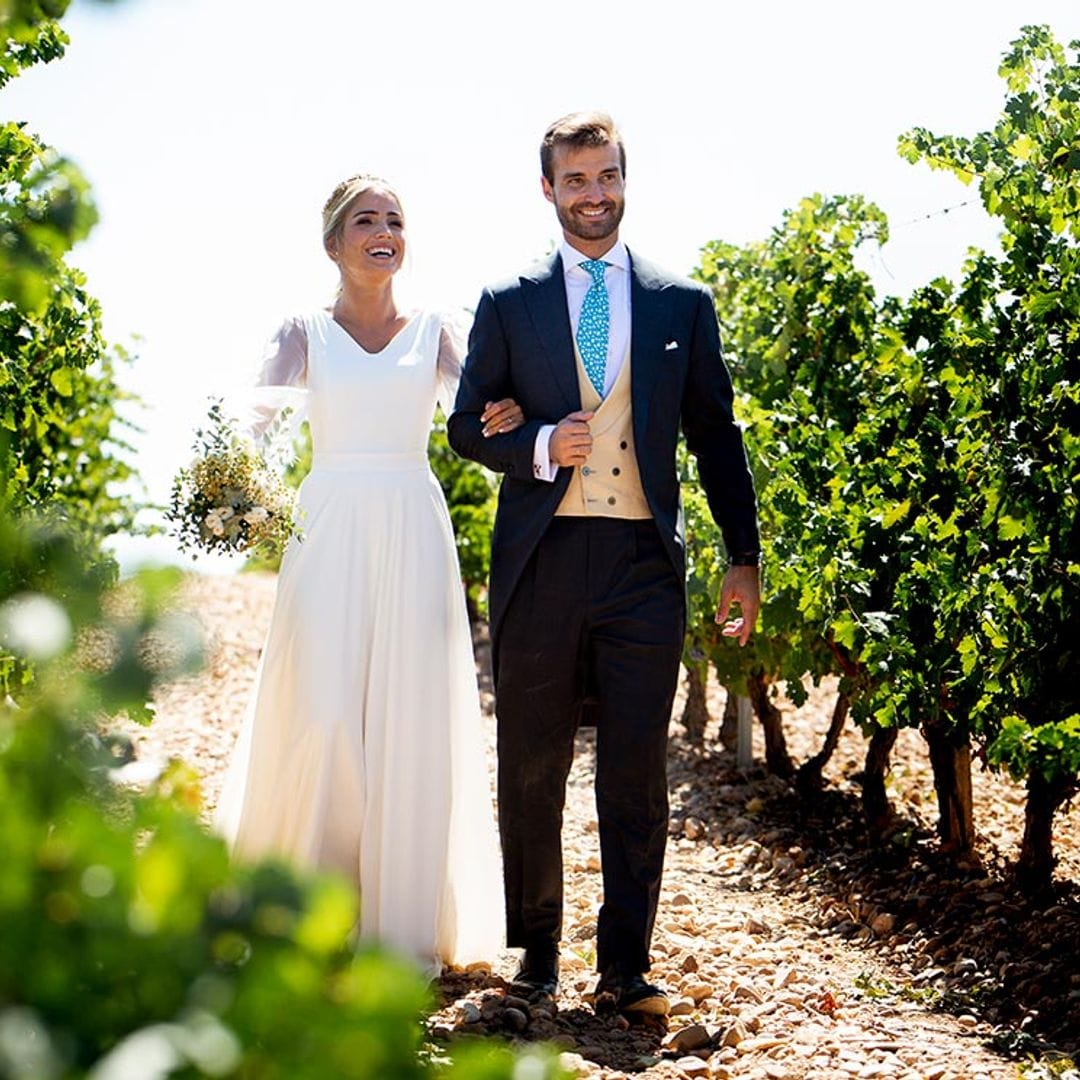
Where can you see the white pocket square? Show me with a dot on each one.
(671, 345)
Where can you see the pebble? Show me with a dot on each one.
(734, 1035)
(693, 1066)
(688, 1039)
(883, 924)
(515, 1020)
(469, 1013)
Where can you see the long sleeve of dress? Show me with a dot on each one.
(452, 339)
(281, 383)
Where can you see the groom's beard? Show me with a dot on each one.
(586, 228)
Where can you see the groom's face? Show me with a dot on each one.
(587, 191)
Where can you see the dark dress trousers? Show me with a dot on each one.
(594, 607)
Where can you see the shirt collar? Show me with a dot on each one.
(571, 257)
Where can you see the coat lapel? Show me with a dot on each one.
(650, 315)
(544, 294)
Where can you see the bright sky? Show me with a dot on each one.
(213, 131)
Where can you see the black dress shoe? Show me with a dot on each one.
(630, 995)
(642, 998)
(538, 974)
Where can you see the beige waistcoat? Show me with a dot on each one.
(608, 484)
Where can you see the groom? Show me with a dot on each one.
(607, 356)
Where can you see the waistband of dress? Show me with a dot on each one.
(402, 461)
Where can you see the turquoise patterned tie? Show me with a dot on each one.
(593, 325)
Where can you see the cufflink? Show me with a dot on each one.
(671, 345)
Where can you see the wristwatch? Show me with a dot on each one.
(745, 558)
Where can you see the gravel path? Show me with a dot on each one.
(789, 949)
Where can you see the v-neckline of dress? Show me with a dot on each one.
(411, 320)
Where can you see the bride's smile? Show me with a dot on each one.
(372, 236)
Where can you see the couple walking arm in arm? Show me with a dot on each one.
(579, 376)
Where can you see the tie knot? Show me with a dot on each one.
(596, 268)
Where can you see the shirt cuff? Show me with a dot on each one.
(745, 558)
(543, 467)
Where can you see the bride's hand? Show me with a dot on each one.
(501, 416)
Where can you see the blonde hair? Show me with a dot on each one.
(343, 196)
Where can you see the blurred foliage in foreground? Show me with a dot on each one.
(131, 946)
(61, 434)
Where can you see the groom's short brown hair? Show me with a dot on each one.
(577, 130)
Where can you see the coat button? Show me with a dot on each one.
(611, 500)
(622, 445)
(616, 471)
(585, 470)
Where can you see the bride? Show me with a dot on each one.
(362, 750)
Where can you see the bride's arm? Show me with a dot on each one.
(448, 368)
(498, 416)
(284, 358)
(282, 379)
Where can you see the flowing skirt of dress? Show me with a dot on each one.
(363, 749)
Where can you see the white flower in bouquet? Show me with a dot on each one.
(229, 498)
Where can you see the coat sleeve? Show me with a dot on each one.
(715, 439)
(486, 376)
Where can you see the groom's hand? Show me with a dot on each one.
(740, 587)
(571, 442)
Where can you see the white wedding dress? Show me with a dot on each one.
(363, 750)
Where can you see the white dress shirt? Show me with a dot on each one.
(577, 282)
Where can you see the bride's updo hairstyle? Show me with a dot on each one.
(342, 197)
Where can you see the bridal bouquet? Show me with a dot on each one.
(229, 499)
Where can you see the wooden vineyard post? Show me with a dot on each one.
(744, 751)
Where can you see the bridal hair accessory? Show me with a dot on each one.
(229, 499)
